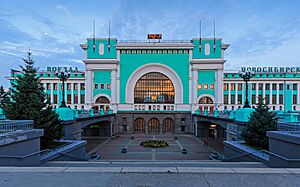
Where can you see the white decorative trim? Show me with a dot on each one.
(154, 67)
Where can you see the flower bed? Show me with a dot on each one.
(154, 143)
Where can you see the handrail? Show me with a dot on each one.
(283, 158)
(25, 156)
(238, 156)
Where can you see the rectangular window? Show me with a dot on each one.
(280, 86)
(232, 99)
(76, 98)
(225, 86)
(82, 86)
(274, 86)
(48, 86)
(69, 98)
(294, 99)
(205, 86)
(68, 86)
(96, 86)
(240, 99)
(101, 86)
(212, 86)
(55, 86)
(267, 99)
(49, 97)
(225, 99)
(82, 99)
(240, 86)
(253, 86)
(280, 99)
(267, 86)
(55, 99)
(232, 86)
(253, 99)
(274, 102)
(75, 86)
(294, 86)
(199, 86)
(108, 86)
(260, 86)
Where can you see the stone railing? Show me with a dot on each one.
(154, 107)
(14, 125)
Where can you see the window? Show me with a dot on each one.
(108, 86)
(273, 107)
(55, 99)
(206, 100)
(49, 97)
(82, 99)
(240, 99)
(96, 86)
(260, 86)
(274, 86)
(232, 86)
(225, 99)
(253, 86)
(280, 107)
(101, 86)
(253, 101)
(212, 86)
(294, 107)
(205, 86)
(267, 86)
(294, 86)
(225, 86)
(280, 99)
(48, 86)
(68, 98)
(232, 99)
(76, 98)
(280, 86)
(199, 86)
(294, 99)
(267, 99)
(240, 86)
(154, 87)
(55, 86)
(274, 99)
(75, 86)
(82, 86)
(68, 86)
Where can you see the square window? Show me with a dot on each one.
(199, 86)
(108, 86)
(212, 86)
(96, 86)
(205, 86)
(101, 86)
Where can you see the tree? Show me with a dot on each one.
(3, 96)
(261, 121)
(28, 101)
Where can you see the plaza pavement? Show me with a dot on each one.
(111, 150)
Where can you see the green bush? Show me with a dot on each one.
(154, 143)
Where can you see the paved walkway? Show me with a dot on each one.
(111, 150)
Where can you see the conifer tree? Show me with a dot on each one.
(261, 121)
(28, 101)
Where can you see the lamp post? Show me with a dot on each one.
(246, 76)
(63, 77)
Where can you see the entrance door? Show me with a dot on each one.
(168, 125)
(153, 125)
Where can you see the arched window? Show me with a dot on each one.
(139, 125)
(206, 100)
(168, 124)
(154, 88)
(102, 99)
(153, 125)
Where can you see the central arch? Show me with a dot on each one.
(154, 67)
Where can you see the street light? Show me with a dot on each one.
(63, 77)
(246, 76)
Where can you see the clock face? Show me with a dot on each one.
(154, 36)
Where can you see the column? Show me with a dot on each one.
(236, 94)
(219, 88)
(271, 94)
(256, 93)
(88, 89)
(78, 90)
(58, 92)
(277, 94)
(264, 92)
(298, 94)
(243, 93)
(72, 93)
(113, 89)
(229, 94)
(194, 88)
(52, 93)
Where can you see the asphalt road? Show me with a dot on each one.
(61, 179)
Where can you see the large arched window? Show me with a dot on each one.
(139, 125)
(102, 99)
(153, 125)
(154, 88)
(206, 100)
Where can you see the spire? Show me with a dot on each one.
(108, 46)
(94, 36)
(215, 36)
(200, 36)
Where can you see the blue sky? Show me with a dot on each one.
(261, 32)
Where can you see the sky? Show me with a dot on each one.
(260, 32)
